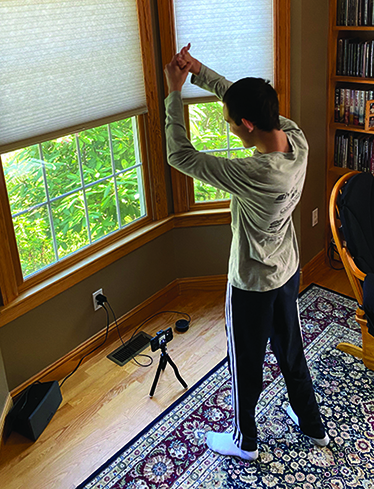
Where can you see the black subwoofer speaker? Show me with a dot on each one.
(34, 409)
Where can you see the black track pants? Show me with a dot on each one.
(251, 319)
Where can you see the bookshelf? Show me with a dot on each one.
(350, 69)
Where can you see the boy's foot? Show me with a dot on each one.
(223, 443)
(321, 442)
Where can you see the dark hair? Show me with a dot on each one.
(253, 99)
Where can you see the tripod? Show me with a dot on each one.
(164, 359)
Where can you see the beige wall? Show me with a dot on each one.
(45, 334)
(309, 36)
(35, 340)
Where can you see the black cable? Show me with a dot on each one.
(89, 353)
(120, 337)
(142, 324)
(17, 409)
(157, 313)
(332, 249)
(101, 300)
(25, 394)
(115, 320)
(145, 365)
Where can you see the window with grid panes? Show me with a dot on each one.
(67, 65)
(68, 193)
(236, 40)
(68, 73)
(210, 133)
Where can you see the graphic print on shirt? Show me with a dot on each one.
(293, 198)
(281, 198)
(275, 225)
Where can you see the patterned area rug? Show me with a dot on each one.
(171, 452)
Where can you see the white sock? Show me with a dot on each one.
(321, 442)
(223, 443)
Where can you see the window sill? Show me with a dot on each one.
(58, 283)
(207, 217)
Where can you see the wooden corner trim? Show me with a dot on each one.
(208, 283)
(312, 265)
(282, 62)
(7, 407)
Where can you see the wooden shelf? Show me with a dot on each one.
(338, 170)
(364, 33)
(353, 28)
(352, 79)
(344, 127)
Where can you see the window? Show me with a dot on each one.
(210, 133)
(243, 49)
(67, 64)
(241, 44)
(236, 40)
(69, 192)
(80, 84)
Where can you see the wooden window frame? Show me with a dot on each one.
(183, 190)
(18, 295)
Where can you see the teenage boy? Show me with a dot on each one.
(263, 277)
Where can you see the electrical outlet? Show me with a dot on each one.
(94, 295)
(315, 217)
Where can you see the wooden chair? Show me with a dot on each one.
(355, 276)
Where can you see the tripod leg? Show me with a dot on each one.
(177, 374)
(163, 361)
(161, 366)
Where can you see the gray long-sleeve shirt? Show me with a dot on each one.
(265, 190)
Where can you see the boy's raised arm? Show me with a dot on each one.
(203, 76)
(185, 57)
(176, 75)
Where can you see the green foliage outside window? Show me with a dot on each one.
(59, 206)
(69, 192)
(210, 132)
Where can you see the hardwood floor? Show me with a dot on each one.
(104, 405)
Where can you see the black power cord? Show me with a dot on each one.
(331, 255)
(102, 300)
(19, 404)
(96, 348)
(146, 321)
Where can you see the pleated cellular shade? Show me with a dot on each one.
(233, 38)
(66, 63)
